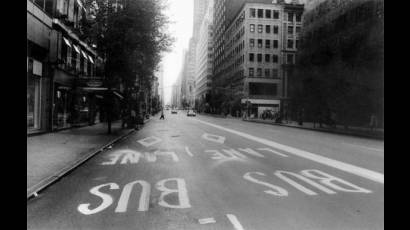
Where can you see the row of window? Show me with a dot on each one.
(268, 73)
(275, 28)
(273, 14)
(275, 58)
(275, 43)
(261, 13)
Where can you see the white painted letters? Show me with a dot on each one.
(107, 200)
(281, 175)
(277, 191)
(329, 180)
(181, 190)
(126, 192)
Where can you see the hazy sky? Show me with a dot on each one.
(180, 13)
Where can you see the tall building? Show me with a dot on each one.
(259, 42)
(64, 73)
(200, 7)
(203, 66)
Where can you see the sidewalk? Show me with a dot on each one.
(51, 155)
(353, 131)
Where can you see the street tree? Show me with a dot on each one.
(130, 35)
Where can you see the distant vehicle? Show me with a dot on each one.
(191, 113)
(174, 111)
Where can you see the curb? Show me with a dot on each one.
(35, 189)
(379, 137)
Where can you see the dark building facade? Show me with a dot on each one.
(64, 74)
(339, 72)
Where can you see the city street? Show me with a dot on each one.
(213, 173)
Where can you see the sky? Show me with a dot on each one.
(180, 12)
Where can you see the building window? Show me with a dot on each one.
(275, 29)
(290, 17)
(267, 58)
(275, 14)
(275, 58)
(289, 59)
(298, 17)
(252, 28)
(251, 72)
(252, 42)
(267, 73)
(260, 28)
(290, 30)
(290, 44)
(259, 72)
(275, 44)
(251, 57)
(268, 14)
(267, 29)
(260, 13)
(259, 57)
(267, 44)
(298, 29)
(297, 44)
(275, 73)
(253, 13)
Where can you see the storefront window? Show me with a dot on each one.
(33, 97)
(61, 107)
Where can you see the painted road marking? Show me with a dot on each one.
(188, 152)
(146, 142)
(235, 222)
(273, 151)
(308, 176)
(128, 156)
(207, 221)
(252, 152)
(214, 138)
(366, 173)
(144, 201)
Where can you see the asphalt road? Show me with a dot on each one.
(212, 173)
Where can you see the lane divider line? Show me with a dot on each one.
(235, 222)
(207, 221)
(188, 152)
(366, 173)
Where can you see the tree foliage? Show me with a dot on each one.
(130, 38)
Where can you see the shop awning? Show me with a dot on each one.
(91, 59)
(84, 54)
(67, 42)
(76, 49)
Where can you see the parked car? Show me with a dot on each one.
(191, 113)
(174, 111)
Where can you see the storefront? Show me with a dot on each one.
(37, 93)
(256, 107)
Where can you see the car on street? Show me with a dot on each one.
(174, 111)
(191, 113)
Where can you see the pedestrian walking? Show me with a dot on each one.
(162, 115)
